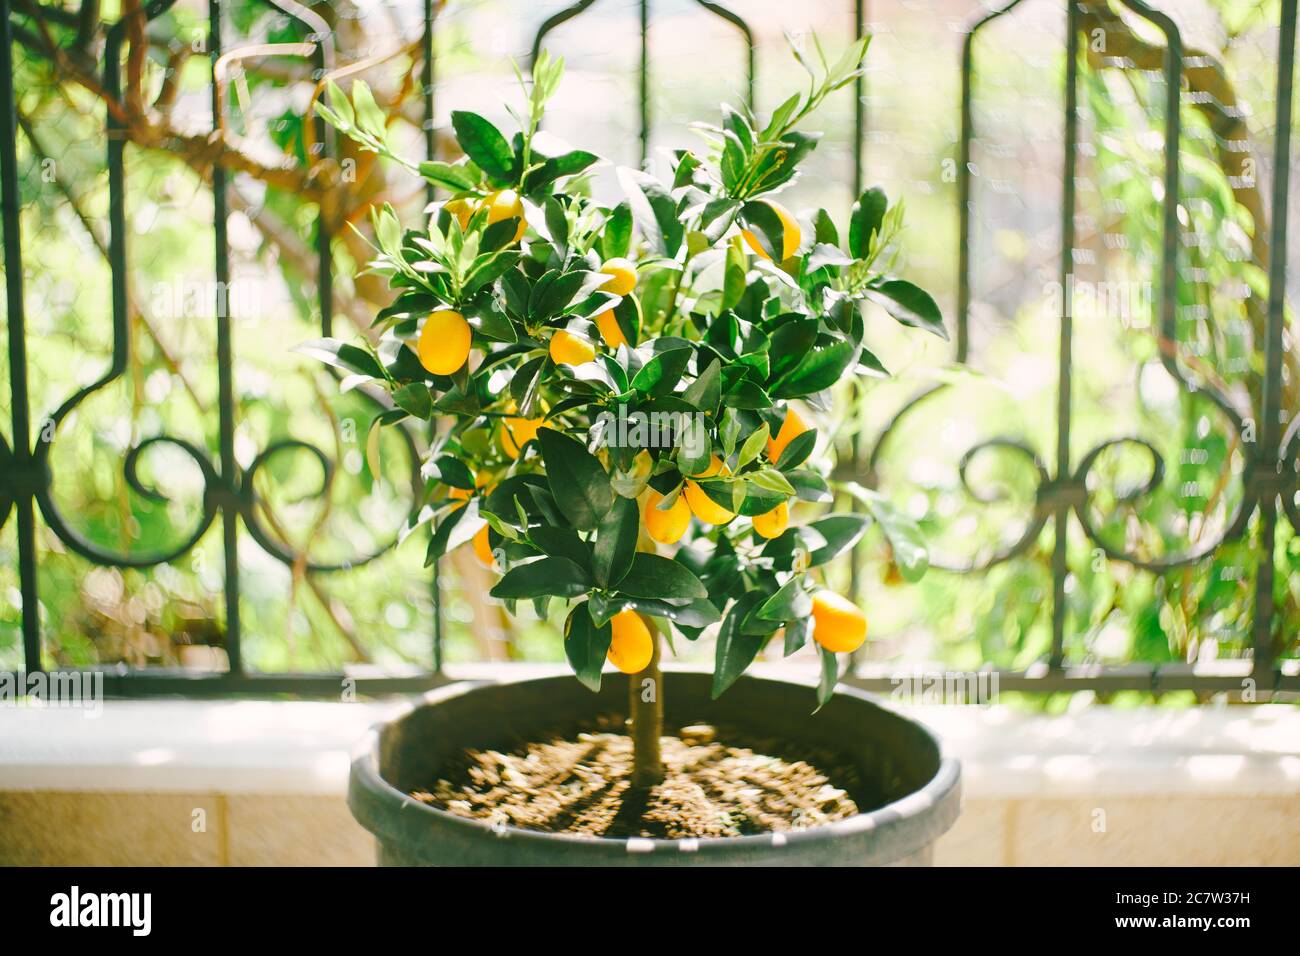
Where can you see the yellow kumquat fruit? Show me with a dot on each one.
(666, 525)
(840, 625)
(791, 428)
(610, 330)
(774, 522)
(569, 349)
(701, 505)
(622, 276)
(505, 204)
(444, 342)
(791, 234)
(631, 646)
(483, 549)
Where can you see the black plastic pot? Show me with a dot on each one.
(912, 789)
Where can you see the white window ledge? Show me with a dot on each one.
(1030, 781)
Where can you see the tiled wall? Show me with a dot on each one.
(171, 829)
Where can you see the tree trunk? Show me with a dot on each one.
(646, 716)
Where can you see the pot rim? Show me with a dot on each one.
(942, 791)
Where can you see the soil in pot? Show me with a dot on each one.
(717, 783)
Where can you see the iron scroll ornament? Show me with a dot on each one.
(234, 494)
(1074, 490)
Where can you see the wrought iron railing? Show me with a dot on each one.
(1269, 480)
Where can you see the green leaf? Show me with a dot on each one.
(557, 167)
(456, 527)
(729, 430)
(830, 677)
(735, 649)
(819, 369)
(706, 391)
(909, 304)
(790, 343)
(653, 210)
(370, 118)
(652, 576)
(697, 613)
(771, 480)
(797, 451)
(694, 447)
(766, 226)
(341, 355)
(340, 102)
(558, 577)
(454, 177)
(415, 399)
(453, 472)
(868, 214)
(586, 645)
(484, 144)
(616, 542)
(561, 543)
(824, 231)
(910, 552)
(790, 603)
(753, 446)
(617, 240)
(577, 479)
(796, 635)
(840, 532)
(780, 116)
(661, 374)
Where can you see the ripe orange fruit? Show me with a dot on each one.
(569, 349)
(481, 481)
(840, 625)
(505, 204)
(462, 209)
(610, 330)
(791, 235)
(518, 432)
(666, 525)
(622, 276)
(482, 549)
(444, 342)
(791, 428)
(630, 646)
(774, 522)
(701, 505)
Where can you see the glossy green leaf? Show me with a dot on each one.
(830, 676)
(557, 577)
(586, 645)
(616, 542)
(577, 479)
(868, 214)
(484, 144)
(909, 304)
(736, 650)
(652, 576)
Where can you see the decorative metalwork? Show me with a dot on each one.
(1271, 472)
(1269, 480)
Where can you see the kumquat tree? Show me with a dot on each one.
(613, 386)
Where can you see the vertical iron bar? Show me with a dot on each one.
(430, 152)
(1061, 521)
(24, 509)
(324, 232)
(643, 89)
(225, 368)
(426, 79)
(859, 107)
(1268, 450)
(964, 237)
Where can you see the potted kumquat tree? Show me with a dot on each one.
(623, 396)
